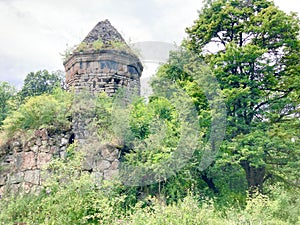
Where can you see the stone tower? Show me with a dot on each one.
(103, 62)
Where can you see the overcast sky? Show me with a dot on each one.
(35, 32)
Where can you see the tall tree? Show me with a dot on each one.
(253, 49)
(41, 82)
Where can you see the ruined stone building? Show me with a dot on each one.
(103, 62)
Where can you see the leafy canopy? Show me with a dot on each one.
(41, 82)
(256, 60)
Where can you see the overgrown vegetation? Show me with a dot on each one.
(41, 82)
(44, 111)
(95, 46)
(70, 196)
(257, 63)
(254, 179)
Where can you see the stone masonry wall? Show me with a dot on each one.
(22, 161)
(91, 69)
(103, 71)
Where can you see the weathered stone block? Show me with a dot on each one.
(2, 190)
(15, 188)
(106, 150)
(18, 161)
(32, 176)
(89, 163)
(16, 144)
(64, 142)
(44, 134)
(38, 142)
(115, 164)
(102, 165)
(28, 161)
(110, 174)
(27, 187)
(53, 150)
(3, 179)
(17, 149)
(44, 148)
(44, 142)
(62, 154)
(113, 155)
(16, 178)
(51, 142)
(34, 148)
(43, 159)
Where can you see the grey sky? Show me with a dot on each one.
(34, 32)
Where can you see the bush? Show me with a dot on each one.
(98, 44)
(71, 196)
(44, 111)
(187, 211)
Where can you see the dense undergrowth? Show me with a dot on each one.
(78, 200)
(71, 196)
(245, 158)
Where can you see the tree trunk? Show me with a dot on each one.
(209, 183)
(254, 175)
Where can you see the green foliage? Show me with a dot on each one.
(97, 45)
(104, 117)
(48, 111)
(143, 114)
(259, 210)
(255, 62)
(71, 196)
(7, 93)
(82, 46)
(68, 52)
(185, 212)
(118, 45)
(257, 67)
(41, 82)
(155, 128)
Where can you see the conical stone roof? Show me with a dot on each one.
(105, 32)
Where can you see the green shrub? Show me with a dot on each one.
(97, 45)
(82, 46)
(47, 111)
(259, 211)
(119, 45)
(185, 212)
(71, 196)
